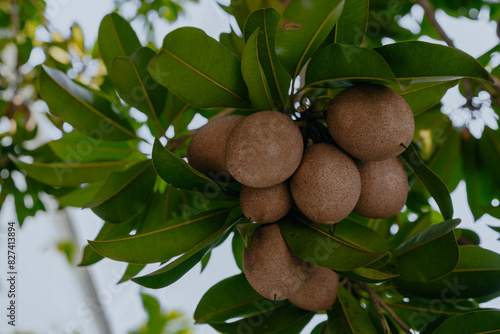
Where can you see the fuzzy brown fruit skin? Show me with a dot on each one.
(206, 151)
(266, 204)
(270, 266)
(264, 149)
(384, 188)
(327, 185)
(319, 291)
(371, 122)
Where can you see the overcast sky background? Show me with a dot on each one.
(50, 296)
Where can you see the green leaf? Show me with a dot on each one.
(161, 245)
(421, 61)
(368, 275)
(340, 65)
(116, 38)
(429, 254)
(423, 96)
(352, 23)
(131, 271)
(204, 261)
(483, 321)
(477, 274)
(124, 194)
(69, 174)
(238, 247)
(211, 78)
(302, 30)
(177, 172)
(107, 232)
(232, 42)
(242, 9)
(86, 111)
(246, 231)
(348, 317)
(75, 147)
(136, 87)
(173, 271)
(254, 76)
(316, 246)
(278, 79)
(431, 181)
(80, 196)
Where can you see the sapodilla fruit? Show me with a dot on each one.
(327, 185)
(370, 122)
(206, 151)
(319, 291)
(384, 188)
(264, 149)
(266, 204)
(270, 266)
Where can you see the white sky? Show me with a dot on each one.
(50, 296)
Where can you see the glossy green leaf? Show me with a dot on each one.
(69, 174)
(302, 30)
(423, 96)
(254, 76)
(131, 271)
(431, 181)
(421, 61)
(174, 270)
(232, 42)
(238, 247)
(211, 78)
(177, 172)
(431, 327)
(116, 38)
(320, 328)
(340, 65)
(136, 87)
(75, 147)
(79, 196)
(348, 317)
(179, 237)
(204, 261)
(368, 275)
(479, 322)
(247, 231)
(86, 111)
(477, 274)
(242, 9)
(124, 194)
(278, 79)
(316, 246)
(352, 23)
(437, 239)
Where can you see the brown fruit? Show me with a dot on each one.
(319, 291)
(326, 186)
(384, 188)
(266, 204)
(264, 149)
(371, 122)
(206, 151)
(270, 266)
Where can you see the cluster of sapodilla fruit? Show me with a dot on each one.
(370, 124)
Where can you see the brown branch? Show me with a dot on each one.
(429, 11)
(375, 300)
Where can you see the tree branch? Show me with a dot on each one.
(429, 12)
(375, 300)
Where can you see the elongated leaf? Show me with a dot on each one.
(124, 194)
(131, 271)
(211, 78)
(431, 181)
(347, 316)
(423, 96)
(136, 87)
(116, 38)
(437, 239)
(173, 271)
(421, 61)
(477, 274)
(368, 275)
(232, 42)
(75, 147)
(483, 321)
(238, 247)
(69, 174)
(246, 231)
(340, 65)
(278, 79)
(242, 9)
(318, 247)
(352, 23)
(177, 172)
(163, 244)
(86, 111)
(302, 29)
(254, 76)
(79, 196)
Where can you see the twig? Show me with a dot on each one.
(375, 300)
(429, 11)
